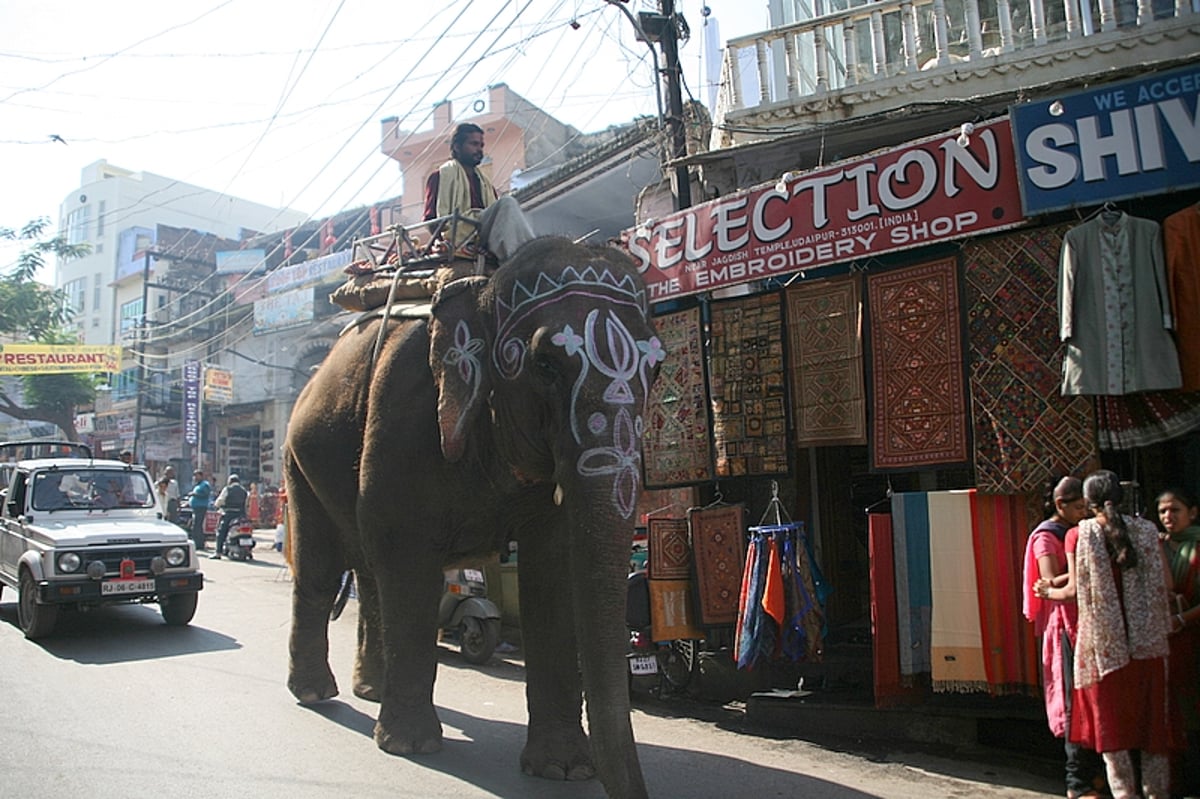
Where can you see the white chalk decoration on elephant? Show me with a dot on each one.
(513, 413)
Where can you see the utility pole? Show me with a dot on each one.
(674, 76)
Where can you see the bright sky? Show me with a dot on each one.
(281, 103)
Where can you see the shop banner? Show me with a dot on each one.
(928, 191)
(44, 359)
(306, 273)
(282, 310)
(191, 402)
(1135, 138)
(218, 385)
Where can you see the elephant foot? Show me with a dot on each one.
(558, 757)
(417, 733)
(310, 690)
(368, 691)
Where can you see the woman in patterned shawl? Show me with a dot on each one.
(1177, 513)
(1119, 578)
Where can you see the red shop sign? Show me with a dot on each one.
(929, 191)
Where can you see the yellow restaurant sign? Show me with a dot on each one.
(43, 359)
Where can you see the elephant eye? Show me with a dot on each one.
(545, 368)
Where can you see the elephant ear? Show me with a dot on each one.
(458, 353)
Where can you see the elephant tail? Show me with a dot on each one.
(343, 595)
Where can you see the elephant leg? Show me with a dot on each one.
(316, 571)
(368, 661)
(556, 746)
(409, 585)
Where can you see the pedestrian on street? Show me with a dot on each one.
(198, 501)
(172, 494)
(1055, 623)
(1118, 575)
(232, 502)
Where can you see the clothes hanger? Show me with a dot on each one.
(1109, 208)
(887, 497)
(718, 497)
(781, 514)
(669, 506)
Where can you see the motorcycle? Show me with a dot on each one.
(239, 543)
(466, 614)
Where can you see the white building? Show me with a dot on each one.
(117, 211)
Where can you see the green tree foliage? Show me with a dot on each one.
(30, 311)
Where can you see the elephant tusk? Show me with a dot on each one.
(558, 494)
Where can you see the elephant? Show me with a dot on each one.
(513, 412)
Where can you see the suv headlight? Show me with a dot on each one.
(176, 556)
(69, 562)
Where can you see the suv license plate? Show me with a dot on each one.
(126, 587)
(643, 664)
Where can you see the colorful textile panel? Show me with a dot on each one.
(746, 372)
(670, 553)
(1026, 433)
(918, 397)
(914, 600)
(824, 320)
(676, 447)
(1139, 420)
(671, 614)
(719, 548)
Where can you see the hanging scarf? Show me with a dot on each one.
(1115, 628)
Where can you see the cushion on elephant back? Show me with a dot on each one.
(370, 290)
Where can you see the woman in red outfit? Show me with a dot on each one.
(1119, 578)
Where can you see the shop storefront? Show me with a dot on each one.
(895, 365)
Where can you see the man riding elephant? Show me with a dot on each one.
(459, 186)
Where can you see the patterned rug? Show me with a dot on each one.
(746, 374)
(670, 554)
(824, 320)
(918, 396)
(1026, 434)
(719, 546)
(676, 448)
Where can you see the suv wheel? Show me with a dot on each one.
(178, 609)
(36, 620)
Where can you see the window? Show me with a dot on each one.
(97, 282)
(100, 223)
(78, 223)
(124, 385)
(131, 317)
(76, 291)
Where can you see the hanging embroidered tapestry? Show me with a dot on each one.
(747, 381)
(670, 553)
(1026, 433)
(824, 320)
(918, 398)
(1139, 420)
(676, 447)
(719, 546)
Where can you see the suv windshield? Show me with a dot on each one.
(59, 489)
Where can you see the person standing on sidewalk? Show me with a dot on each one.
(1055, 623)
(232, 502)
(198, 501)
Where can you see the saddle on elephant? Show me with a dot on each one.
(398, 266)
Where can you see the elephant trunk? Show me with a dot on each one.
(601, 539)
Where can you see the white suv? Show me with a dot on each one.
(76, 532)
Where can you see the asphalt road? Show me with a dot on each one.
(116, 704)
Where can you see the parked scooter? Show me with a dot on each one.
(239, 544)
(466, 614)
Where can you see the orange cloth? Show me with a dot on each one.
(773, 601)
(1181, 241)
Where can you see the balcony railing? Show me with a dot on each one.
(864, 43)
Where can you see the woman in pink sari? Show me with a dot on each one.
(1055, 621)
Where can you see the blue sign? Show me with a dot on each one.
(191, 401)
(1134, 138)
